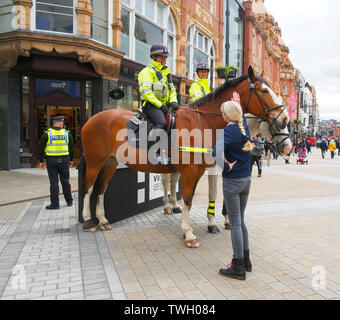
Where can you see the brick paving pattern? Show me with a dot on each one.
(292, 219)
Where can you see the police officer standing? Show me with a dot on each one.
(56, 145)
(200, 87)
(157, 91)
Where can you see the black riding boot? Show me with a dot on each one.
(160, 157)
(247, 263)
(235, 270)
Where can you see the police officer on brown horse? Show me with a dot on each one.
(157, 91)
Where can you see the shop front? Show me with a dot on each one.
(46, 92)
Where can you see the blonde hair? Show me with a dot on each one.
(234, 112)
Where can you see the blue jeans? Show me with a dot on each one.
(236, 192)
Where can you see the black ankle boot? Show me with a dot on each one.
(247, 263)
(235, 270)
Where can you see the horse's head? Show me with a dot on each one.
(260, 100)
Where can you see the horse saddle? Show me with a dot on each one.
(143, 133)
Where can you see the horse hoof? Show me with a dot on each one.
(167, 210)
(105, 227)
(177, 210)
(213, 229)
(192, 243)
(227, 226)
(93, 229)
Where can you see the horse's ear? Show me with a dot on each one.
(251, 74)
(262, 73)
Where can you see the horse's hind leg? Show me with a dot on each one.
(90, 178)
(103, 179)
(173, 198)
(166, 183)
(212, 227)
(190, 177)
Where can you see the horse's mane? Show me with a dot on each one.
(221, 88)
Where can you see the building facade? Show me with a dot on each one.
(265, 50)
(64, 56)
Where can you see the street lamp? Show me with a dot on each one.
(299, 102)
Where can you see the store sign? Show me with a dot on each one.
(156, 187)
(292, 106)
(44, 86)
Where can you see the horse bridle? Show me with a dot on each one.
(267, 110)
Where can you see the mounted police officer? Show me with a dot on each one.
(200, 87)
(56, 145)
(157, 91)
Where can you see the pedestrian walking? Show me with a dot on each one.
(332, 148)
(273, 151)
(256, 155)
(56, 145)
(308, 146)
(232, 153)
(337, 142)
(267, 153)
(323, 147)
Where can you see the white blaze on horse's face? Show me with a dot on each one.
(276, 99)
(283, 119)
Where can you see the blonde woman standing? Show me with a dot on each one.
(232, 154)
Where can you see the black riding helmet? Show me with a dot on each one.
(202, 66)
(159, 49)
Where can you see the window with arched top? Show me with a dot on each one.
(146, 22)
(260, 48)
(254, 42)
(199, 48)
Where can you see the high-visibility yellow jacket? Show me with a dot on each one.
(154, 86)
(331, 147)
(199, 89)
(57, 144)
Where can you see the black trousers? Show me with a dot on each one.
(258, 161)
(58, 166)
(156, 115)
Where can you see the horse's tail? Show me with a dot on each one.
(81, 181)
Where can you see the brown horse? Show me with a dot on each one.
(103, 139)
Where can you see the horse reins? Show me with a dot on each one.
(267, 110)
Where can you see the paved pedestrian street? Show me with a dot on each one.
(293, 220)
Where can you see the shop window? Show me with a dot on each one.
(131, 100)
(7, 14)
(88, 100)
(199, 48)
(99, 20)
(125, 47)
(55, 15)
(24, 135)
(146, 34)
(153, 23)
(236, 30)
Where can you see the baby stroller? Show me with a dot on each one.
(302, 156)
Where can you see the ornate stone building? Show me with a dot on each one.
(265, 50)
(64, 56)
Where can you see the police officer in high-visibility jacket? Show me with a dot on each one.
(157, 91)
(56, 145)
(200, 87)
